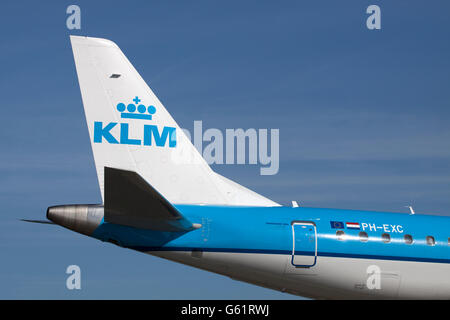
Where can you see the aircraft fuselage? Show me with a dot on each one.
(312, 252)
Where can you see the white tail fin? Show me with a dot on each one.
(130, 129)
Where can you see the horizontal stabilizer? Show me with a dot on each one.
(131, 201)
(37, 221)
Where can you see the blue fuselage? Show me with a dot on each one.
(340, 233)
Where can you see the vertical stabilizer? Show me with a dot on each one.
(131, 130)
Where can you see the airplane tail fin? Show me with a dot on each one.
(131, 130)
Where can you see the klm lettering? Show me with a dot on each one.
(151, 135)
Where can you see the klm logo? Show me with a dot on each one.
(151, 134)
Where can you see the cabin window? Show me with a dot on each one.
(363, 236)
(340, 235)
(408, 239)
(386, 238)
(430, 241)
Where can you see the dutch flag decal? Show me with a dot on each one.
(352, 225)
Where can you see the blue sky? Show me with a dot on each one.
(363, 118)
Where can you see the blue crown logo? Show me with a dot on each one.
(143, 112)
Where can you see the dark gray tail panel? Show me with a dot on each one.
(131, 201)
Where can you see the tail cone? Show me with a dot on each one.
(80, 218)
